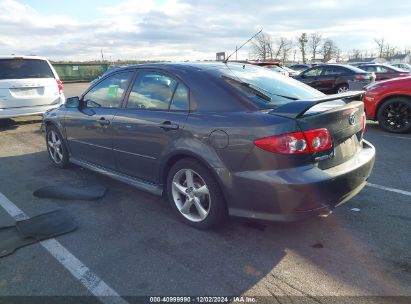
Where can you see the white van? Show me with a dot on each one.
(28, 86)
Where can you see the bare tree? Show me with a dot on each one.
(380, 46)
(314, 43)
(262, 46)
(355, 54)
(329, 50)
(278, 47)
(287, 48)
(302, 45)
(390, 51)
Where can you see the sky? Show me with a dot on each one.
(190, 29)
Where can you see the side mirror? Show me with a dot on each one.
(72, 102)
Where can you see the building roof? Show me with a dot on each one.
(399, 56)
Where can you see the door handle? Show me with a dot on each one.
(103, 122)
(167, 125)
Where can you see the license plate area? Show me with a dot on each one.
(25, 92)
(343, 151)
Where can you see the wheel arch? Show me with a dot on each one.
(60, 128)
(183, 154)
(339, 83)
(385, 99)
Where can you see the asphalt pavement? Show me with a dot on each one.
(133, 243)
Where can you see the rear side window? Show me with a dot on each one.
(180, 100)
(368, 68)
(382, 69)
(24, 68)
(154, 91)
(336, 71)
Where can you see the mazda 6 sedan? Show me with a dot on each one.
(217, 139)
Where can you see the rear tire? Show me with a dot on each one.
(342, 88)
(56, 147)
(394, 115)
(195, 195)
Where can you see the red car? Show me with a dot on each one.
(383, 72)
(389, 102)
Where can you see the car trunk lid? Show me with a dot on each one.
(340, 114)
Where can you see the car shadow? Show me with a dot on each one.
(12, 124)
(133, 241)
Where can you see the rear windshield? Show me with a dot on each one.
(24, 68)
(266, 88)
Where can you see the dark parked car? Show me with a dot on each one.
(335, 78)
(389, 102)
(299, 67)
(384, 72)
(217, 139)
(402, 66)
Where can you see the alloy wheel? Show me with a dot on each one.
(191, 195)
(342, 89)
(397, 116)
(55, 147)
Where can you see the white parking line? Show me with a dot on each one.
(80, 271)
(389, 189)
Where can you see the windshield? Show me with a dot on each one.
(268, 88)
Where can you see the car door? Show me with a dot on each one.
(89, 128)
(388, 73)
(311, 77)
(153, 118)
(327, 80)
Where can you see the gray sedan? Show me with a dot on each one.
(217, 139)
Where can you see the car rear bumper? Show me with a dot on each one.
(26, 111)
(291, 194)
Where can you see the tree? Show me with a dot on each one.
(262, 46)
(329, 50)
(287, 48)
(380, 46)
(282, 48)
(279, 45)
(302, 45)
(390, 51)
(314, 43)
(355, 54)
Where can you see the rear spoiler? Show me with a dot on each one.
(297, 108)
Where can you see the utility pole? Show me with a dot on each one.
(102, 55)
(236, 50)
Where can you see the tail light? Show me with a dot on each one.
(296, 143)
(362, 77)
(60, 86)
(403, 75)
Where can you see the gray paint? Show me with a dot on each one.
(219, 131)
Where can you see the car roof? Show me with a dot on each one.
(374, 64)
(22, 57)
(213, 66)
(384, 65)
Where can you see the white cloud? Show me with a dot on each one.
(191, 29)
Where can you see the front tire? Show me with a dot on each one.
(194, 195)
(56, 147)
(394, 115)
